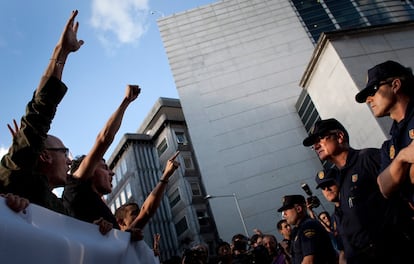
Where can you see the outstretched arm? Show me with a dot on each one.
(106, 135)
(67, 43)
(154, 199)
(40, 111)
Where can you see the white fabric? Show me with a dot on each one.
(43, 236)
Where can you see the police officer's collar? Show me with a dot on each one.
(409, 114)
(350, 158)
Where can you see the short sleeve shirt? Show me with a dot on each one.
(310, 238)
(402, 134)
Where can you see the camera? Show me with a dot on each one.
(312, 200)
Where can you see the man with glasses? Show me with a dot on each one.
(389, 92)
(36, 162)
(365, 225)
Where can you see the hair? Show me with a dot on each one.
(239, 237)
(221, 244)
(324, 213)
(240, 242)
(76, 163)
(254, 238)
(346, 136)
(279, 224)
(120, 212)
(407, 82)
(201, 247)
(270, 236)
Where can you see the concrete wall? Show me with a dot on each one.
(340, 71)
(237, 66)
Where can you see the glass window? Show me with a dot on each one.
(180, 137)
(123, 167)
(188, 162)
(345, 13)
(162, 147)
(123, 197)
(314, 16)
(128, 191)
(115, 179)
(181, 226)
(175, 198)
(202, 218)
(195, 188)
(307, 112)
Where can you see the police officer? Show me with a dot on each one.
(390, 88)
(389, 91)
(326, 181)
(310, 241)
(366, 224)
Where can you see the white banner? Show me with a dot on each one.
(43, 236)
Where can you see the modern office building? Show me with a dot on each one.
(239, 66)
(184, 216)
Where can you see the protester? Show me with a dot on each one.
(326, 181)
(36, 162)
(197, 254)
(255, 240)
(90, 176)
(310, 241)
(223, 252)
(153, 201)
(276, 255)
(239, 249)
(285, 230)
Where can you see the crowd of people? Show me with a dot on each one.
(38, 162)
(371, 189)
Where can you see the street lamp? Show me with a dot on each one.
(208, 196)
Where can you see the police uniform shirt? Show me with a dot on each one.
(402, 134)
(310, 238)
(364, 212)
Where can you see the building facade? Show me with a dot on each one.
(184, 216)
(238, 66)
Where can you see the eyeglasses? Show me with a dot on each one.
(377, 86)
(63, 150)
(326, 187)
(325, 136)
